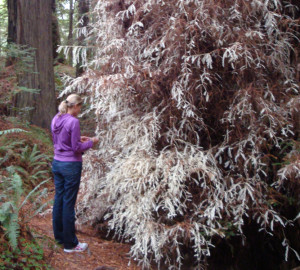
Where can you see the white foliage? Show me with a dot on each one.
(150, 177)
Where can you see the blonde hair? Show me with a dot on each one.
(69, 102)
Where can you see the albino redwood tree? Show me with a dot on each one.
(194, 101)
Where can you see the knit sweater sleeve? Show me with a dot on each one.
(77, 146)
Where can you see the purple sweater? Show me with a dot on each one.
(66, 138)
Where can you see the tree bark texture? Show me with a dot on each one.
(12, 26)
(55, 30)
(34, 29)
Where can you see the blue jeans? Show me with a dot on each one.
(67, 176)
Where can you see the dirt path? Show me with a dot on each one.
(107, 255)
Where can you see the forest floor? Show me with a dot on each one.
(101, 254)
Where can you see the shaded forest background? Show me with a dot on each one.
(30, 35)
(31, 78)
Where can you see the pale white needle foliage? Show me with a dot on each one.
(189, 97)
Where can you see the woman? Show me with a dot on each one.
(66, 167)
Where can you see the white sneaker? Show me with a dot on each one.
(79, 248)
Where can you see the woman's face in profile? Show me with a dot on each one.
(77, 109)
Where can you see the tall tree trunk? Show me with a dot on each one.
(12, 26)
(55, 30)
(34, 29)
(83, 10)
(70, 36)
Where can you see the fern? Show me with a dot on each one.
(33, 157)
(13, 130)
(10, 151)
(23, 56)
(13, 230)
(10, 209)
(30, 194)
(31, 162)
(16, 187)
(11, 145)
(5, 208)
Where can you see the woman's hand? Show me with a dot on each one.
(95, 140)
(84, 138)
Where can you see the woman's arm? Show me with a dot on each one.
(77, 146)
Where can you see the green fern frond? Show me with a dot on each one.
(9, 209)
(21, 170)
(13, 230)
(13, 130)
(9, 220)
(38, 165)
(36, 156)
(41, 174)
(4, 159)
(11, 145)
(40, 209)
(5, 212)
(39, 157)
(37, 168)
(32, 192)
(25, 154)
(15, 184)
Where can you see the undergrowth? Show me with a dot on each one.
(28, 256)
(24, 170)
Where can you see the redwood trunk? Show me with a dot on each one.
(34, 29)
(55, 30)
(12, 26)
